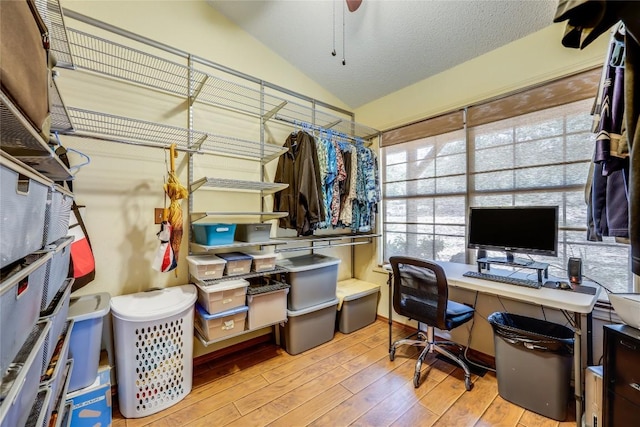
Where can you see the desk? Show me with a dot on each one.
(574, 302)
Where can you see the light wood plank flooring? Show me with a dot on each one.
(348, 381)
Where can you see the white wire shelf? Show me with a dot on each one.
(236, 184)
(198, 248)
(105, 57)
(213, 282)
(60, 121)
(206, 342)
(92, 124)
(21, 140)
(51, 14)
(263, 216)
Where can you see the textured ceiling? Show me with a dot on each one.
(389, 44)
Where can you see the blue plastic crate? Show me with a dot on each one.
(214, 234)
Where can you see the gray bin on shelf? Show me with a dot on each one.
(313, 279)
(533, 363)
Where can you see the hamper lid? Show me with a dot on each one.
(88, 306)
(153, 305)
(307, 262)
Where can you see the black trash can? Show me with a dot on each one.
(533, 363)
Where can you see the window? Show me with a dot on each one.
(539, 157)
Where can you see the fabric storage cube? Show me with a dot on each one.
(20, 298)
(87, 312)
(357, 306)
(214, 234)
(20, 382)
(206, 267)
(22, 212)
(222, 296)
(57, 270)
(313, 279)
(237, 263)
(267, 304)
(153, 334)
(220, 325)
(309, 327)
(56, 224)
(57, 313)
(261, 261)
(253, 232)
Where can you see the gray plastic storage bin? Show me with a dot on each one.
(20, 298)
(22, 212)
(309, 327)
(313, 279)
(358, 305)
(533, 363)
(253, 232)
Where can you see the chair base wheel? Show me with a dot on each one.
(467, 383)
(416, 380)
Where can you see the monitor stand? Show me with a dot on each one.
(509, 260)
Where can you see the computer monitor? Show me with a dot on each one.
(514, 229)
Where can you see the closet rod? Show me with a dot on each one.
(145, 40)
(317, 248)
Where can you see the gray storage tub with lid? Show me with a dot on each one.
(313, 279)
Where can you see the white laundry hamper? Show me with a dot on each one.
(153, 333)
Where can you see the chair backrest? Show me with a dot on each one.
(420, 290)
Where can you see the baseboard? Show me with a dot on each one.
(214, 355)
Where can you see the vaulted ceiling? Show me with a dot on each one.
(386, 44)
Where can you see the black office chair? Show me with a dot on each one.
(420, 292)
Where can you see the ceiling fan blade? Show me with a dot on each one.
(353, 5)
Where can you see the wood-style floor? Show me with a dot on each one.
(348, 381)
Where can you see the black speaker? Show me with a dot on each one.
(574, 269)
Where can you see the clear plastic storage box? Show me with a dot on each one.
(267, 304)
(220, 325)
(237, 263)
(206, 267)
(222, 296)
(261, 261)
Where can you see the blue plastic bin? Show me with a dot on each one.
(214, 234)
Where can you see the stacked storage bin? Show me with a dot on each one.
(221, 309)
(311, 301)
(34, 293)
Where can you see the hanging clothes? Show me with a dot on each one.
(299, 167)
(348, 190)
(609, 194)
(586, 21)
(367, 191)
(341, 176)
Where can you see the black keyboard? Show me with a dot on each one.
(504, 279)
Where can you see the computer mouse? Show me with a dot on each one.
(564, 286)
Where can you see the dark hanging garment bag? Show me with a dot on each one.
(24, 72)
